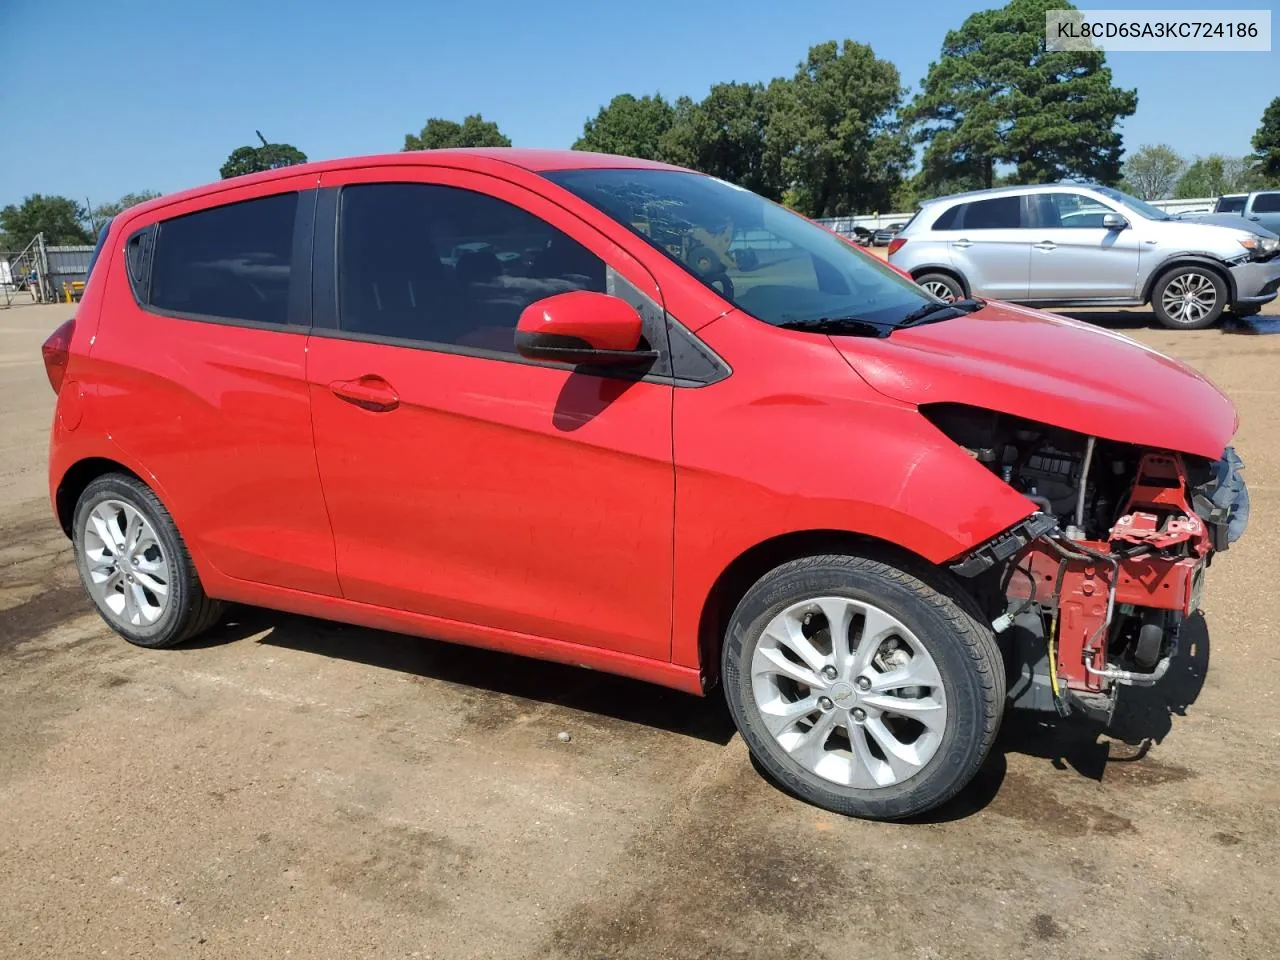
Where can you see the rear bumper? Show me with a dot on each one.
(1256, 282)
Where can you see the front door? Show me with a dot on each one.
(1074, 257)
(463, 481)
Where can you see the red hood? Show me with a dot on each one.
(1053, 370)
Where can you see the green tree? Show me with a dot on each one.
(104, 212)
(60, 219)
(1266, 143)
(724, 135)
(269, 156)
(629, 126)
(1153, 171)
(1216, 174)
(832, 134)
(473, 131)
(997, 96)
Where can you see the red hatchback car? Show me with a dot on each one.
(627, 416)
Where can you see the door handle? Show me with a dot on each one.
(962, 243)
(369, 392)
(1046, 245)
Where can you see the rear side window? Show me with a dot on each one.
(998, 213)
(444, 265)
(229, 263)
(1266, 203)
(950, 218)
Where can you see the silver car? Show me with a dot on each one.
(1087, 245)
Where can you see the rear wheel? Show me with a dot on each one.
(942, 286)
(861, 687)
(135, 566)
(1189, 298)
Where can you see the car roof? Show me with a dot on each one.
(480, 159)
(1002, 191)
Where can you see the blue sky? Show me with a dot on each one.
(154, 95)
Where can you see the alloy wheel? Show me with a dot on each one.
(1189, 297)
(129, 574)
(849, 692)
(939, 290)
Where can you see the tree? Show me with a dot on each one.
(269, 156)
(1153, 171)
(997, 96)
(106, 211)
(832, 134)
(724, 135)
(1266, 143)
(60, 219)
(1214, 175)
(473, 131)
(628, 126)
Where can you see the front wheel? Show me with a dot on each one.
(861, 687)
(1189, 298)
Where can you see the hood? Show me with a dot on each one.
(1235, 221)
(1053, 370)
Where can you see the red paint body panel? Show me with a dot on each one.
(1054, 370)
(600, 321)
(527, 507)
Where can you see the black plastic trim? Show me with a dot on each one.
(1004, 545)
(324, 261)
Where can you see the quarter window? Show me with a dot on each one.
(230, 262)
(1266, 203)
(445, 265)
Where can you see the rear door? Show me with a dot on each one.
(463, 481)
(1074, 257)
(199, 374)
(990, 246)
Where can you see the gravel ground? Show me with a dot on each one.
(288, 787)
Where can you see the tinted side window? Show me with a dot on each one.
(1266, 203)
(998, 213)
(1230, 204)
(230, 262)
(950, 219)
(451, 266)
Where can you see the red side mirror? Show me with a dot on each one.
(582, 327)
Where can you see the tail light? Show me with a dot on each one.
(57, 351)
(896, 244)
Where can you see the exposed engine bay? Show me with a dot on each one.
(1089, 591)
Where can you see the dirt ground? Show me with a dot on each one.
(287, 787)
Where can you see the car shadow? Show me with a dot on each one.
(503, 674)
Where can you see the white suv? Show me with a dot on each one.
(1087, 245)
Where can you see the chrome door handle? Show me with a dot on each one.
(962, 243)
(1046, 245)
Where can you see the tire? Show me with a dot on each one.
(143, 584)
(937, 283)
(960, 702)
(1180, 298)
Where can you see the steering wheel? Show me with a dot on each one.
(710, 269)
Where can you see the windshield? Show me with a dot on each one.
(1140, 207)
(770, 262)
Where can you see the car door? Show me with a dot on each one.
(201, 373)
(463, 481)
(1264, 210)
(1075, 257)
(991, 248)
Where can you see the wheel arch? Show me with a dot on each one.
(949, 271)
(77, 477)
(1190, 260)
(754, 562)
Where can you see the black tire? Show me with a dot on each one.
(188, 612)
(962, 647)
(955, 290)
(1191, 273)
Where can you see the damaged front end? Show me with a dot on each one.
(1089, 592)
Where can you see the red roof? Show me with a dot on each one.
(478, 158)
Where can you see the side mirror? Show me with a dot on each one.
(1113, 221)
(582, 327)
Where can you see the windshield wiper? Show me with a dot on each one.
(839, 326)
(935, 312)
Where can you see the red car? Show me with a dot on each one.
(623, 415)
